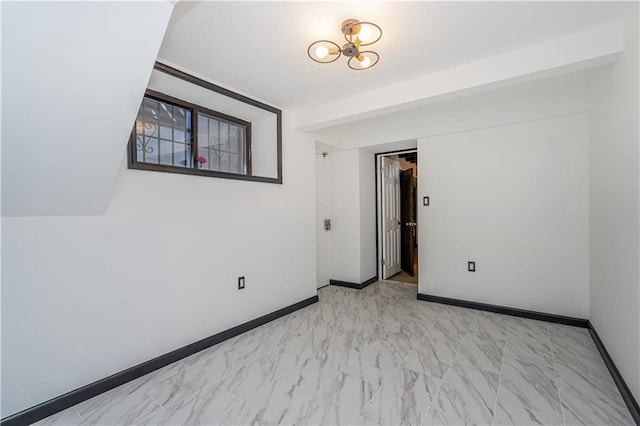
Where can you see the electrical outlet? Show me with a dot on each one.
(471, 266)
(240, 283)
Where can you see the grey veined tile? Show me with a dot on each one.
(574, 344)
(525, 346)
(244, 381)
(337, 403)
(530, 384)
(437, 418)
(451, 329)
(196, 406)
(512, 414)
(468, 394)
(132, 390)
(433, 358)
(375, 365)
(589, 404)
(491, 326)
(586, 371)
(529, 328)
(481, 352)
(278, 402)
(131, 410)
(322, 366)
(403, 399)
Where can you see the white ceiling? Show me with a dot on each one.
(259, 48)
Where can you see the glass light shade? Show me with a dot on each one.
(321, 52)
(368, 33)
(365, 33)
(364, 60)
(324, 51)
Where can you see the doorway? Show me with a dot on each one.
(397, 175)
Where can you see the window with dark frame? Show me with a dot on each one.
(175, 135)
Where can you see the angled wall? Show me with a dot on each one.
(73, 75)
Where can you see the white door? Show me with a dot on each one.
(323, 238)
(390, 217)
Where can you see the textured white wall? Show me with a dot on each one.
(614, 211)
(514, 199)
(86, 297)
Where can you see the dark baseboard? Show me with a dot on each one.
(62, 402)
(627, 396)
(354, 285)
(540, 316)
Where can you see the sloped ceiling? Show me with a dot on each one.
(73, 75)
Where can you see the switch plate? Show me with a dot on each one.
(471, 266)
(240, 283)
(425, 201)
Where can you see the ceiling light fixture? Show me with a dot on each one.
(358, 35)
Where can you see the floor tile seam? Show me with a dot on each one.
(435, 395)
(612, 387)
(372, 395)
(162, 407)
(555, 369)
(466, 420)
(77, 412)
(582, 358)
(617, 401)
(611, 402)
(479, 368)
(495, 405)
(544, 413)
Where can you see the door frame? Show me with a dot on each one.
(378, 171)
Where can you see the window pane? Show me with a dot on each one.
(166, 152)
(222, 143)
(182, 155)
(157, 119)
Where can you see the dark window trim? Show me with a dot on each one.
(133, 164)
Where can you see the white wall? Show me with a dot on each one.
(514, 199)
(367, 215)
(614, 212)
(85, 297)
(74, 74)
(345, 216)
(323, 211)
(353, 233)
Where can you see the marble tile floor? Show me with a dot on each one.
(376, 356)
